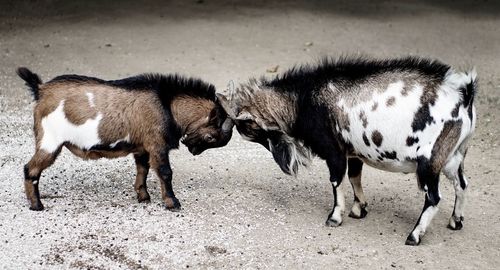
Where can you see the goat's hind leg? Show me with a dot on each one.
(429, 180)
(456, 175)
(140, 186)
(358, 209)
(32, 172)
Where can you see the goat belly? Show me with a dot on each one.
(102, 151)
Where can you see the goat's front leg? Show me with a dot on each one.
(337, 165)
(161, 164)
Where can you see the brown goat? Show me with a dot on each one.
(145, 115)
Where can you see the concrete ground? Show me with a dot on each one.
(239, 209)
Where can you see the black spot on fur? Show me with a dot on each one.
(389, 155)
(468, 91)
(411, 140)
(390, 101)
(377, 138)
(461, 178)
(374, 107)
(362, 117)
(454, 113)
(469, 112)
(406, 89)
(365, 139)
(422, 118)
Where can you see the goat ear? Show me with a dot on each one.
(266, 126)
(222, 100)
(244, 115)
(213, 115)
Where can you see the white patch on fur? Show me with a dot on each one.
(425, 220)
(356, 209)
(183, 137)
(338, 211)
(58, 130)
(451, 168)
(357, 187)
(451, 172)
(460, 200)
(90, 96)
(126, 139)
(299, 154)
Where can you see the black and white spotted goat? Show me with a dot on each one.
(406, 115)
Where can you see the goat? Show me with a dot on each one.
(407, 115)
(145, 115)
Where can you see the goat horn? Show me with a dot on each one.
(222, 100)
(228, 125)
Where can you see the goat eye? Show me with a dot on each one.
(209, 138)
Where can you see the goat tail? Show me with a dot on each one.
(469, 88)
(32, 81)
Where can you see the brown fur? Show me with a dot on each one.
(140, 186)
(444, 144)
(269, 109)
(119, 108)
(377, 138)
(138, 114)
(39, 162)
(191, 113)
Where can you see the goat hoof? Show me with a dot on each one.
(333, 223)
(456, 224)
(411, 241)
(172, 204)
(362, 214)
(144, 199)
(147, 200)
(37, 206)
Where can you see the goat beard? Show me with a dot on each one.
(289, 153)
